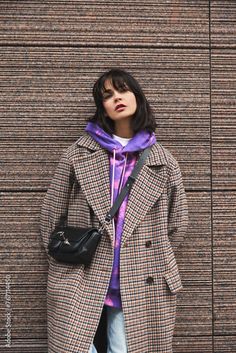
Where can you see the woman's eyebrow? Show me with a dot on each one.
(107, 90)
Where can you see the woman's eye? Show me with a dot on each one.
(105, 96)
(108, 95)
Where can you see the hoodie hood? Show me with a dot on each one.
(139, 141)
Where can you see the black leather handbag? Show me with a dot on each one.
(74, 245)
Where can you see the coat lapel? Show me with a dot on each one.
(92, 170)
(145, 192)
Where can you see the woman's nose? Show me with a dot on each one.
(116, 95)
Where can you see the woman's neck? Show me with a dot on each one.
(123, 129)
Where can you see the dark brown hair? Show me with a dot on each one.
(122, 80)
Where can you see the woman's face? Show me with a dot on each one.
(112, 98)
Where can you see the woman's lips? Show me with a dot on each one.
(121, 108)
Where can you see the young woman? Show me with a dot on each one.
(127, 295)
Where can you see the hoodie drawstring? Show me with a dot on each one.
(113, 177)
(112, 194)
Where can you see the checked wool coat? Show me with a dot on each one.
(155, 225)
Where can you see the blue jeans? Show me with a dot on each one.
(116, 341)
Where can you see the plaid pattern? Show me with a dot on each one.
(155, 225)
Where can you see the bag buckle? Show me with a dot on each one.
(130, 180)
(62, 235)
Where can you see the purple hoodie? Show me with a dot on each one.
(122, 161)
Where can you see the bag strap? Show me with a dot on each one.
(128, 185)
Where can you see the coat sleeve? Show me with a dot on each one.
(177, 208)
(56, 200)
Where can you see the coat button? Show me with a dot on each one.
(148, 244)
(150, 280)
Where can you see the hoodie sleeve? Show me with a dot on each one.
(177, 208)
(56, 200)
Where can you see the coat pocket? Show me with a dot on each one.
(173, 281)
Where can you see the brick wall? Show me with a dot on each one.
(183, 54)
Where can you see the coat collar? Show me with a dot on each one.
(156, 156)
(92, 171)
